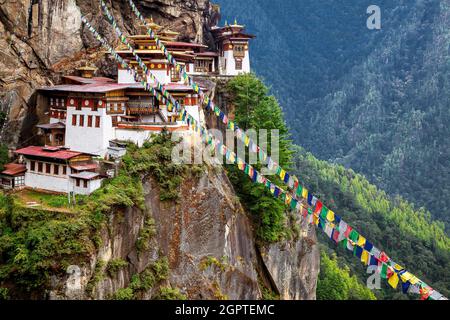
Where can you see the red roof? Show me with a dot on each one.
(184, 44)
(84, 167)
(207, 54)
(12, 169)
(61, 154)
(96, 87)
(57, 125)
(89, 80)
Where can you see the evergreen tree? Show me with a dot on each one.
(255, 109)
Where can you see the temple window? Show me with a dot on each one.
(239, 50)
(97, 121)
(74, 120)
(19, 181)
(40, 166)
(64, 170)
(32, 165)
(238, 64)
(89, 124)
(81, 121)
(202, 65)
(56, 169)
(174, 75)
(48, 168)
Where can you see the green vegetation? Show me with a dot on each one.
(406, 234)
(115, 266)
(167, 293)
(4, 294)
(213, 261)
(147, 232)
(155, 159)
(255, 109)
(47, 200)
(4, 159)
(97, 276)
(150, 276)
(123, 294)
(336, 283)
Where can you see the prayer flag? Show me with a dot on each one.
(365, 257)
(368, 246)
(330, 216)
(384, 270)
(393, 280)
(358, 251)
(405, 287)
(305, 193)
(373, 261)
(361, 241)
(310, 199)
(354, 235)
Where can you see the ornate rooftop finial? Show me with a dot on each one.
(235, 22)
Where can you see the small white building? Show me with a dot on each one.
(233, 46)
(57, 169)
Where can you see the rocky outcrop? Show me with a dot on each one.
(209, 243)
(40, 40)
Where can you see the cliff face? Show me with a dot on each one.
(208, 241)
(40, 40)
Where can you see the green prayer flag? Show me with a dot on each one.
(383, 272)
(354, 236)
(323, 213)
(299, 191)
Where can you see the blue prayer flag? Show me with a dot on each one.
(310, 196)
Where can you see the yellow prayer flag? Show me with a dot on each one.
(393, 280)
(247, 140)
(365, 257)
(361, 241)
(414, 280)
(398, 267)
(406, 276)
(330, 216)
(282, 174)
(305, 193)
(315, 219)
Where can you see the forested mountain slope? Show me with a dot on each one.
(375, 101)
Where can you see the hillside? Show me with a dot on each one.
(382, 104)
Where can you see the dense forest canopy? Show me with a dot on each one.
(376, 101)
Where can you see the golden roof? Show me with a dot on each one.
(87, 68)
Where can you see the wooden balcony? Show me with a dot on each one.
(142, 110)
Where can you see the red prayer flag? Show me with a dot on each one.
(335, 235)
(305, 213)
(318, 207)
(347, 232)
(384, 257)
